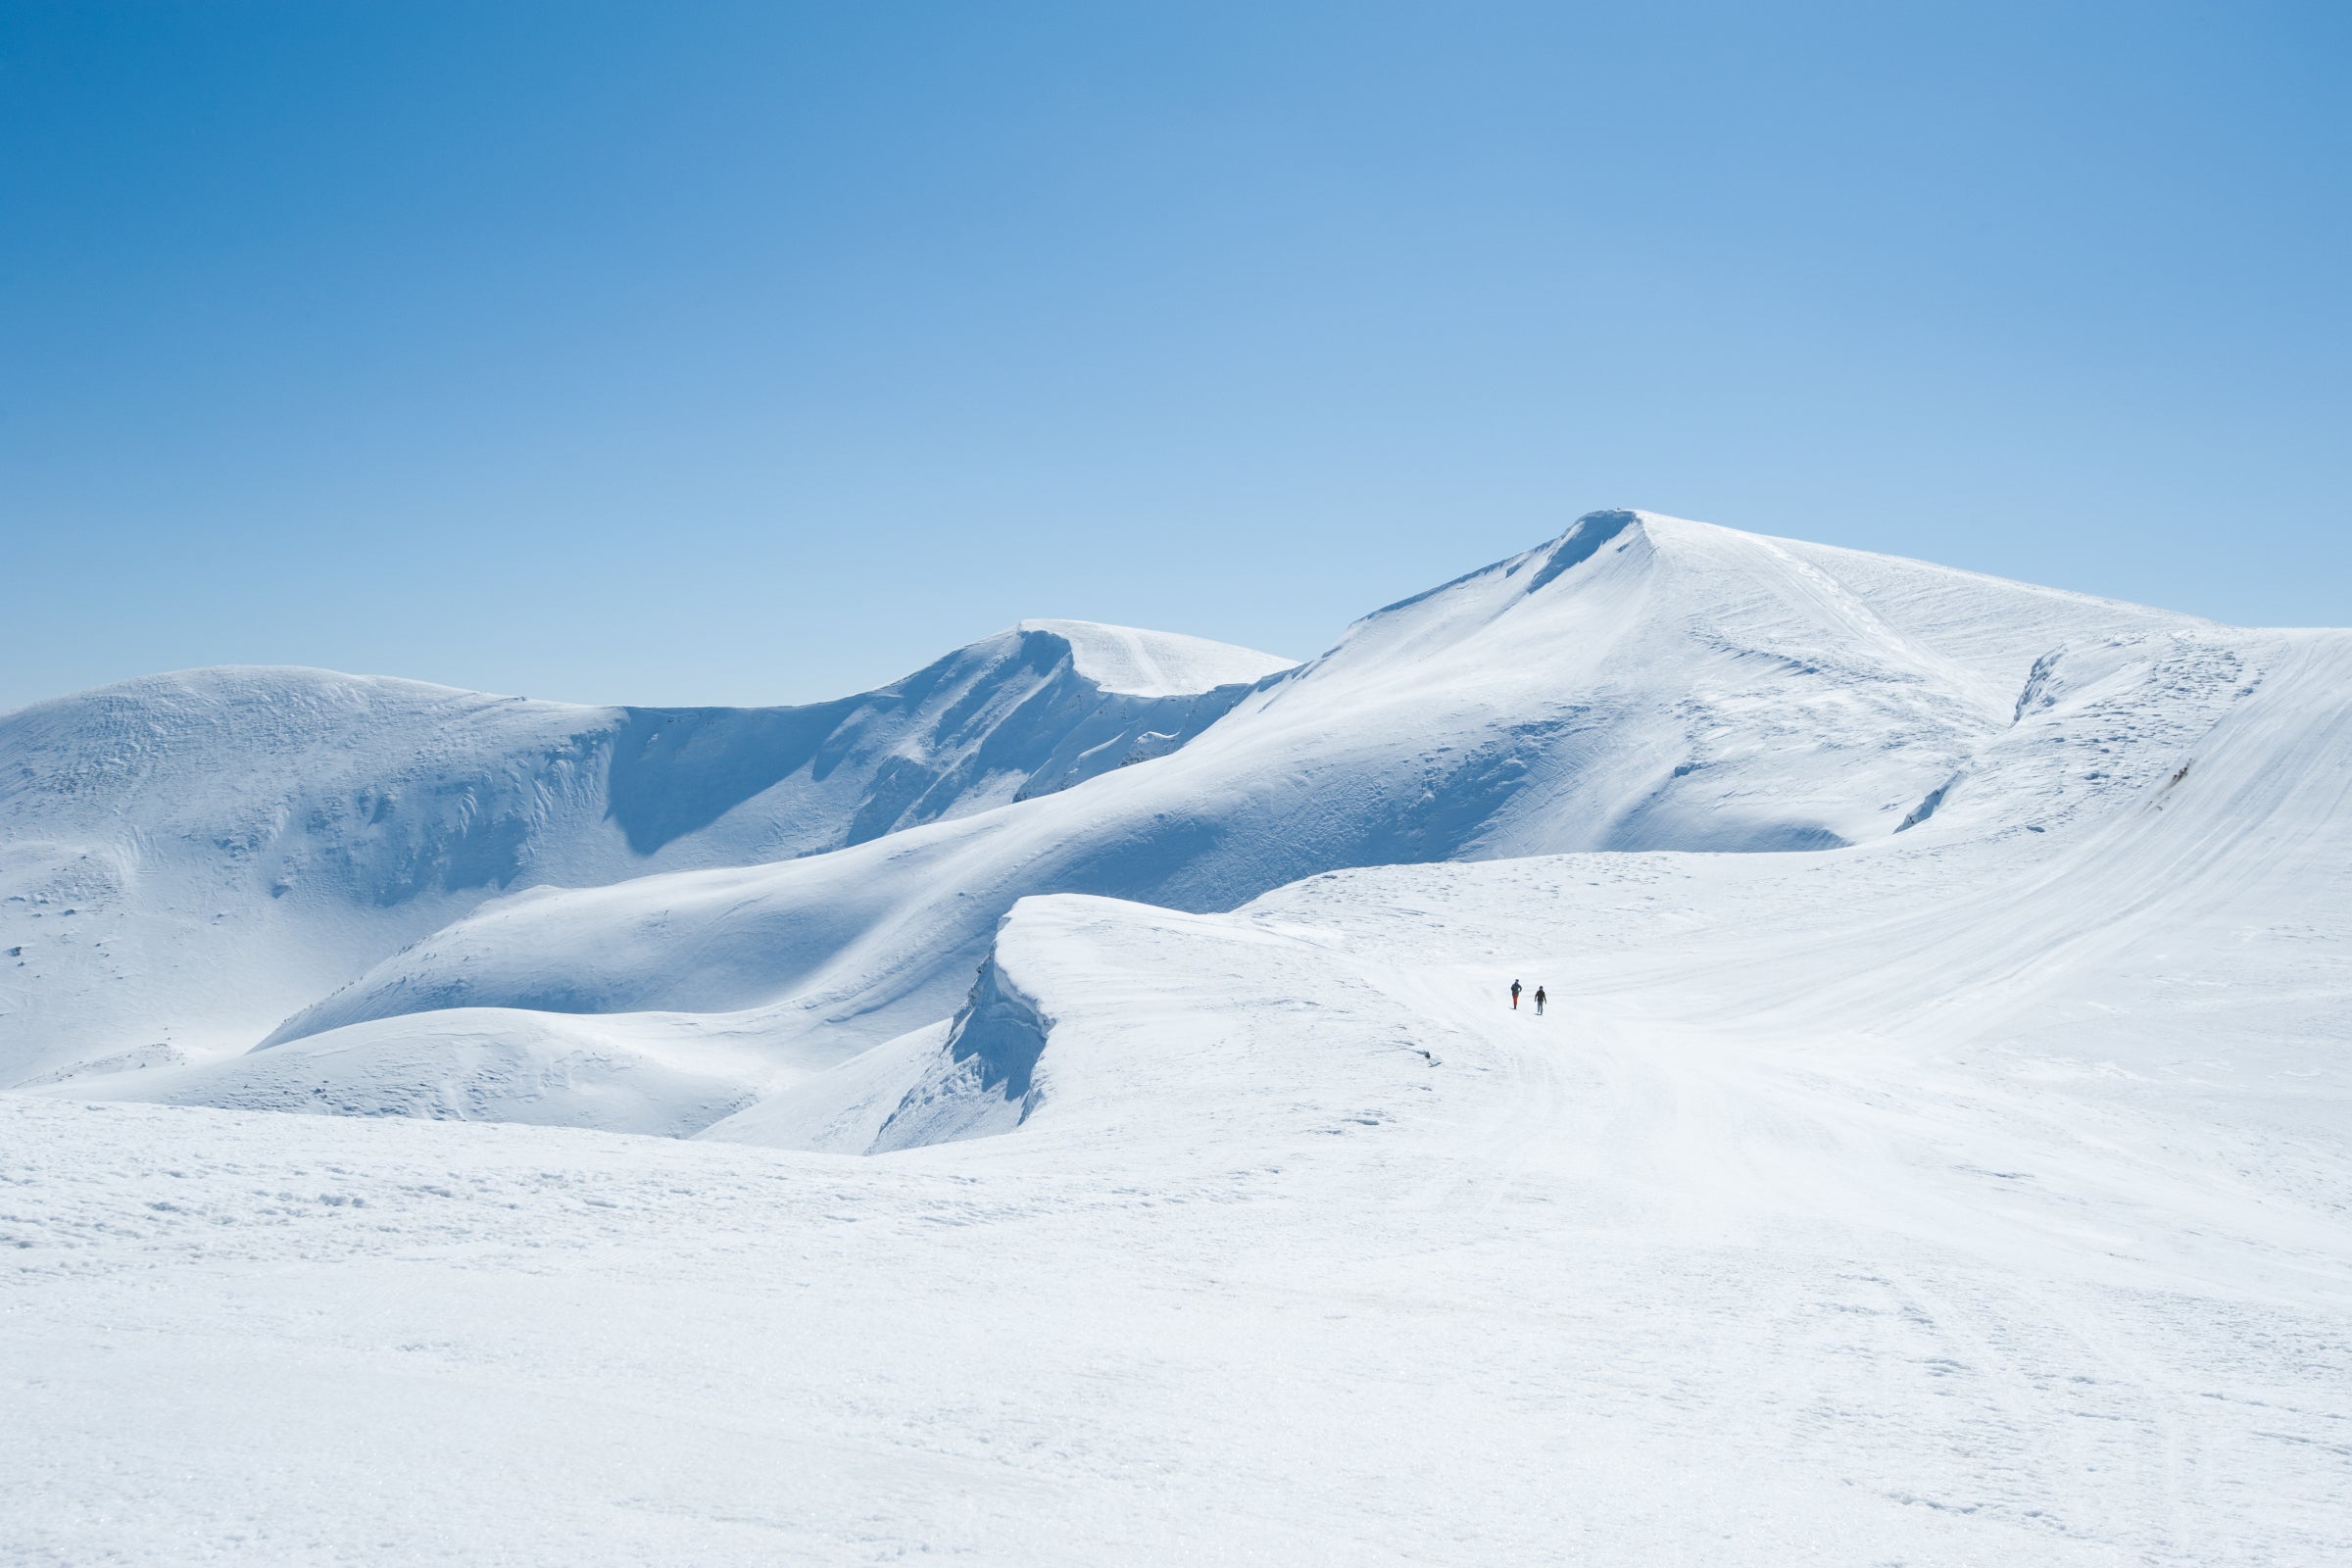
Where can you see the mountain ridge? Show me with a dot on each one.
(244, 835)
(1676, 686)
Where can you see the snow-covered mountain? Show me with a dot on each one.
(1640, 683)
(1933, 1148)
(186, 859)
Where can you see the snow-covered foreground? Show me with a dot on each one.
(1311, 1251)
(1977, 1191)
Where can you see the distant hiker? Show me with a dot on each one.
(1538, 1002)
(1514, 995)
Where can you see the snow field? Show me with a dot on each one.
(1308, 1250)
(1973, 1193)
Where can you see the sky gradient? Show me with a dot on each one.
(761, 353)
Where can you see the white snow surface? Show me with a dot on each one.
(1935, 1149)
(186, 859)
(1642, 683)
(1157, 663)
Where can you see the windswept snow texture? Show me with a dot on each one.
(186, 859)
(983, 1078)
(1938, 1150)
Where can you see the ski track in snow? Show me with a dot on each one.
(1976, 1194)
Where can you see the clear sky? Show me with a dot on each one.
(678, 353)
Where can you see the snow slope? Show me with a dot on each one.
(186, 859)
(1128, 662)
(1642, 683)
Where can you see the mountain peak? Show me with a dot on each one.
(1582, 542)
(1135, 662)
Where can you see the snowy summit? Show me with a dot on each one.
(1154, 663)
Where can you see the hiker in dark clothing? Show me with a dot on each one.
(1514, 995)
(1538, 1002)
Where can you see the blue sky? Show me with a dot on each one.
(709, 353)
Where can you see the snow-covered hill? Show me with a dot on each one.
(1640, 683)
(186, 859)
(1936, 1147)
